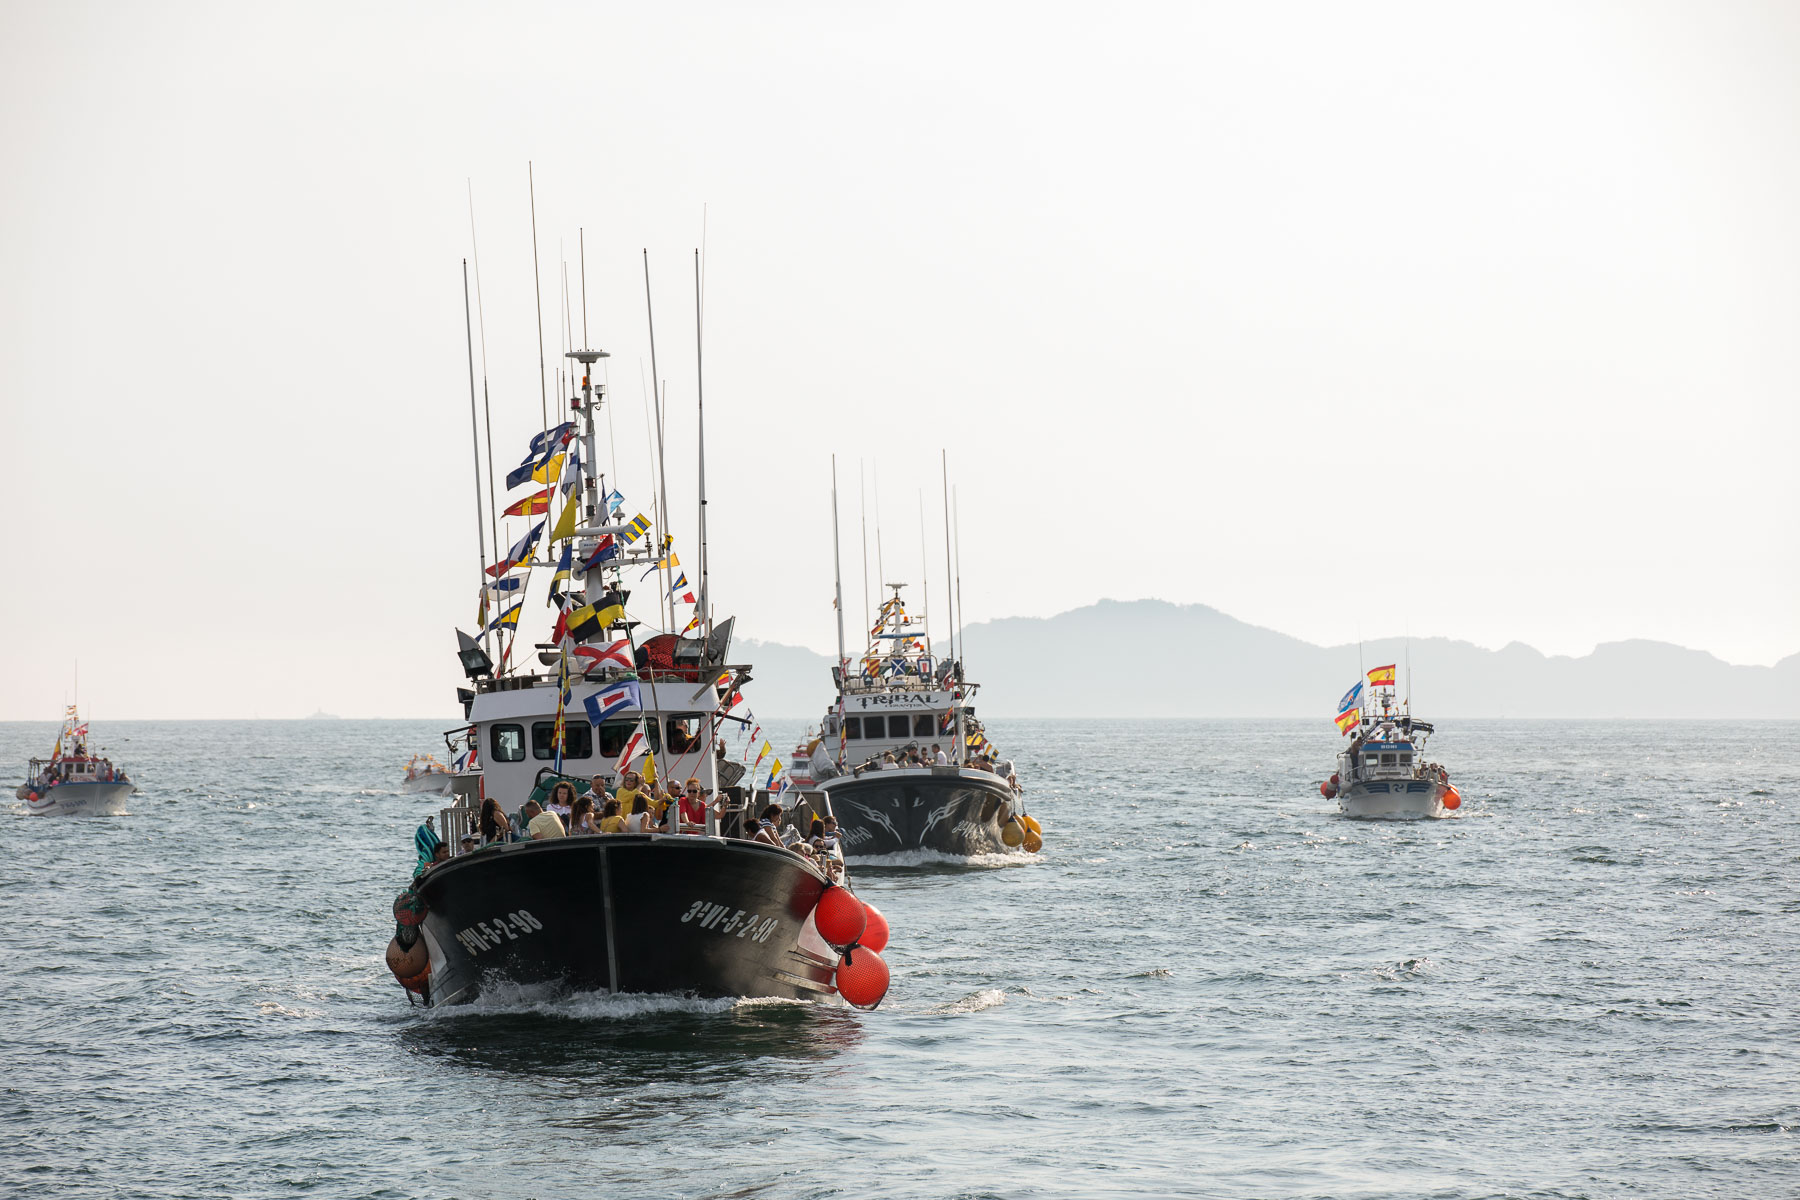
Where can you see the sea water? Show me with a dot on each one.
(1208, 983)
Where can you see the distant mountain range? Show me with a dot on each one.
(1149, 658)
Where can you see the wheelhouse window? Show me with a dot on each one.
(613, 736)
(507, 743)
(1388, 760)
(578, 739)
(899, 727)
(925, 725)
(684, 732)
(853, 728)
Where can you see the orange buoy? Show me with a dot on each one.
(875, 936)
(1033, 841)
(416, 983)
(1325, 789)
(1452, 798)
(840, 917)
(405, 963)
(862, 978)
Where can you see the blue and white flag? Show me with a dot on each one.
(505, 587)
(614, 501)
(1351, 699)
(609, 702)
(551, 437)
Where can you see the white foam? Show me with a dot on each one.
(936, 858)
(509, 999)
(974, 1002)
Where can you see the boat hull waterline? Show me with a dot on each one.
(945, 809)
(1397, 798)
(643, 913)
(80, 800)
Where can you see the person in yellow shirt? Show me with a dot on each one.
(610, 820)
(629, 789)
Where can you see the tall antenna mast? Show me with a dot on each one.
(582, 234)
(944, 459)
(862, 500)
(924, 571)
(487, 410)
(837, 566)
(662, 471)
(957, 509)
(700, 392)
(475, 441)
(880, 571)
(538, 285)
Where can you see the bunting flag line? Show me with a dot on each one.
(668, 560)
(590, 620)
(562, 704)
(504, 587)
(774, 773)
(620, 697)
(572, 476)
(1382, 676)
(692, 625)
(764, 752)
(550, 470)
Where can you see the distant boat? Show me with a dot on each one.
(322, 715)
(1383, 772)
(72, 782)
(425, 774)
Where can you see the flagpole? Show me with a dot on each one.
(837, 569)
(475, 443)
(662, 471)
(486, 405)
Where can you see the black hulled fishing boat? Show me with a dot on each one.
(902, 761)
(690, 911)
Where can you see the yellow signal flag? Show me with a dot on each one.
(551, 471)
(565, 524)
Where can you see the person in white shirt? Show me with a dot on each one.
(937, 755)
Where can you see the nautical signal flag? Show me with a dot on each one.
(763, 753)
(605, 551)
(530, 506)
(609, 701)
(618, 654)
(520, 553)
(589, 620)
(774, 773)
(633, 745)
(1382, 676)
(506, 620)
(639, 526)
(1352, 698)
(614, 501)
(667, 560)
(564, 566)
(551, 437)
(1348, 719)
(565, 524)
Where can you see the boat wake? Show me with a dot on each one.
(936, 858)
(506, 999)
(974, 1002)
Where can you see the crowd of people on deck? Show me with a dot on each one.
(639, 805)
(909, 757)
(78, 767)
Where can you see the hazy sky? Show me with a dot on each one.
(1340, 318)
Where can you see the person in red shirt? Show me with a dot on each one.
(693, 808)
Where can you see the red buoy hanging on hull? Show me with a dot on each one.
(840, 917)
(1452, 799)
(875, 935)
(862, 978)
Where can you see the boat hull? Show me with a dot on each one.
(945, 809)
(80, 800)
(436, 784)
(648, 913)
(1397, 798)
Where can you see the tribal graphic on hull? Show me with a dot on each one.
(951, 811)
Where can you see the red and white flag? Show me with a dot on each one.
(633, 745)
(618, 654)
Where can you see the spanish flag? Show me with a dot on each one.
(1348, 719)
(1382, 676)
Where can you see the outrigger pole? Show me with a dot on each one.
(950, 617)
(700, 393)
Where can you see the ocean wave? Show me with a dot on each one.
(549, 1001)
(974, 1002)
(936, 858)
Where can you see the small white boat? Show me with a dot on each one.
(72, 782)
(425, 775)
(1383, 772)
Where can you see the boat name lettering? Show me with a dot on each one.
(896, 699)
(722, 918)
(486, 935)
